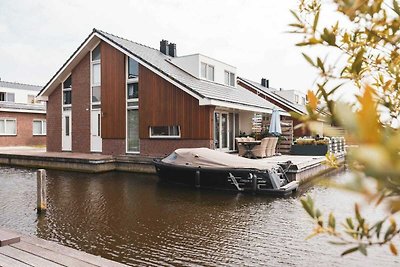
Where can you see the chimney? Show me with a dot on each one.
(164, 47)
(172, 50)
(265, 82)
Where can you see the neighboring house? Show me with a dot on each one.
(115, 96)
(22, 118)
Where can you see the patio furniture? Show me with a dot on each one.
(271, 146)
(260, 151)
(240, 147)
(248, 146)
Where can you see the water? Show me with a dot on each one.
(133, 219)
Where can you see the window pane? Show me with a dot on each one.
(11, 127)
(67, 97)
(96, 74)
(133, 90)
(210, 74)
(226, 78)
(2, 126)
(133, 130)
(133, 68)
(66, 125)
(44, 130)
(165, 131)
(37, 127)
(96, 94)
(174, 130)
(68, 82)
(10, 97)
(2, 96)
(232, 79)
(96, 53)
(203, 70)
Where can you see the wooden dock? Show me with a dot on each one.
(21, 250)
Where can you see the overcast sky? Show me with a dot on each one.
(37, 37)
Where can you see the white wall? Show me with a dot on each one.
(21, 96)
(290, 95)
(192, 64)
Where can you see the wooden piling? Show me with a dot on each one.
(41, 191)
(197, 179)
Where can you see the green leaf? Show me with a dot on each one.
(350, 223)
(357, 64)
(320, 64)
(396, 7)
(332, 221)
(309, 59)
(316, 21)
(351, 250)
(307, 207)
(363, 249)
(338, 243)
(295, 15)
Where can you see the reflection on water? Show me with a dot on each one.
(133, 219)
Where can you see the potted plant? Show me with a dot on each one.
(310, 146)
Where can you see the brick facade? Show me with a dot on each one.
(114, 147)
(53, 118)
(164, 147)
(24, 135)
(81, 106)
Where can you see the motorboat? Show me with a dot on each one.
(207, 168)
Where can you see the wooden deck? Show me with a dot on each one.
(33, 251)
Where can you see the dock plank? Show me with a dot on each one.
(6, 261)
(80, 255)
(51, 255)
(26, 257)
(7, 238)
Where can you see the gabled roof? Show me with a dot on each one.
(289, 105)
(208, 93)
(22, 86)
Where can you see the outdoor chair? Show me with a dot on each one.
(259, 151)
(240, 147)
(271, 146)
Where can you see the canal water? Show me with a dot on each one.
(134, 219)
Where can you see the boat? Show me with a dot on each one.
(207, 168)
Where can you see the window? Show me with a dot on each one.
(133, 91)
(165, 131)
(296, 99)
(96, 74)
(133, 68)
(66, 125)
(39, 127)
(96, 53)
(96, 94)
(207, 71)
(9, 97)
(8, 126)
(229, 78)
(67, 91)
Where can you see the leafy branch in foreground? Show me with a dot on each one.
(366, 40)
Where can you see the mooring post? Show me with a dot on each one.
(253, 182)
(197, 179)
(41, 191)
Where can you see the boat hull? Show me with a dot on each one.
(246, 180)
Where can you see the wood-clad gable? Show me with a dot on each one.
(113, 93)
(163, 104)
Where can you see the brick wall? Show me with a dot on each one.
(53, 118)
(164, 147)
(114, 147)
(81, 106)
(24, 135)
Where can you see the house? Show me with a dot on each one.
(22, 117)
(116, 97)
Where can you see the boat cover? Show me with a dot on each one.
(208, 158)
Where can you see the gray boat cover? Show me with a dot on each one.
(208, 158)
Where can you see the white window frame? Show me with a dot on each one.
(43, 127)
(229, 78)
(208, 66)
(6, 95)
(131, 100)
(166, 136)
(92, 84)
(5, 126)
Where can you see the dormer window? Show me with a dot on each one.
(229, 78)
(207, 71)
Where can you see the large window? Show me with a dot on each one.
(132, 105)
(96, 75)
(8, 126)
(133, 130)
(165, 131)
(67, 91)
(9, 97)
(39, 127)
(207, 71)
(229, 78)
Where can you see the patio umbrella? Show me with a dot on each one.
(275, 125)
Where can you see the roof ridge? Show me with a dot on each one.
(1, 81)
(101, 31)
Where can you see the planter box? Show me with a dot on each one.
(309, 150)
